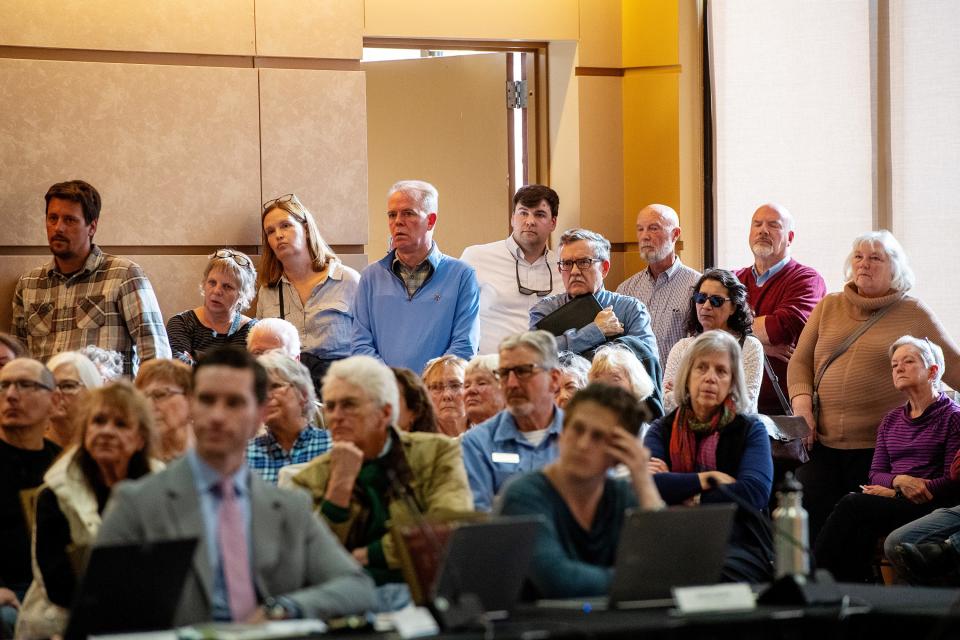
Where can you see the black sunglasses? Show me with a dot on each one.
(527, 291)
(715, 301)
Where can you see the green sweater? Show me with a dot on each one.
(568, 561)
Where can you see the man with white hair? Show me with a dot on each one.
(665, 286)
(782, 293)
(522, 437)
(274, 333)
(584, 263)
(374, 471)
(416, 303)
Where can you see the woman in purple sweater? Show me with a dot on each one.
(910, 474)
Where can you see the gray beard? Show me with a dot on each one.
(762, 250)
(654, 256)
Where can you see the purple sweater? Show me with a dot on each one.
(921, 447)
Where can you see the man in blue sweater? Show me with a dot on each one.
(416, 303)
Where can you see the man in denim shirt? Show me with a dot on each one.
(522, 437)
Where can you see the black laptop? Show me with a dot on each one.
(675, 547)
(130, 587)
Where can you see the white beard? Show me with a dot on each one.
(761, 250)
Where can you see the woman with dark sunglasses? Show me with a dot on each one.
(227, 288)
(303, 281)
(719, 301)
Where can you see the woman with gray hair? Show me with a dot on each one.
(712, 451)
(482, 396)
(76, 375)
(910, 474)
(227, 289)
(842, 361)
(574, 370)
(292, 436)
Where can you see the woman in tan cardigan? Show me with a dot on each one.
(856, 390)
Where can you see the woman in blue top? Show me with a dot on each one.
(706, 450)
(303, 281)
(583, 508)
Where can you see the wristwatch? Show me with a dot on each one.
(276, 609)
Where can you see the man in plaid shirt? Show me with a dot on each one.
(84, 296)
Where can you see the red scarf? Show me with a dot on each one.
(683, 438)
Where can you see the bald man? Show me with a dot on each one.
(666, 284)
(26, 400)
(782, 293)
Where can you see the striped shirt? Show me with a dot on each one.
(265, 455)
(923, 447)
(668, 300)
(190, 338)
(108, 303)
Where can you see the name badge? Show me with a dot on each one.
(509, 458)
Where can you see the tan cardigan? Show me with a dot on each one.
(857, 389)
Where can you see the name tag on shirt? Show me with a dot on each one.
(509, 458)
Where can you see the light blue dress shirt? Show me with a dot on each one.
(496, 450)
(769, 273)
(207, 481)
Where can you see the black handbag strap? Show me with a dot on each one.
(283, 312)
(846, 344)
(787, 409)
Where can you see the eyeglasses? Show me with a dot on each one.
(236, 256)
(583, 264)
(288, 197)
(70, 387)
(522, 371)
(439, 387)
(529, 292)
(715, 301)
(23, 385)
(160, 395)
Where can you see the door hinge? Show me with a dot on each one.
(516, 94)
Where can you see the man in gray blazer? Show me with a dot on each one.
(262, 552)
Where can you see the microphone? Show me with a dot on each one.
(462, 610)
(820, 588)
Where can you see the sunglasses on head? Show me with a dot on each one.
(715, 301)
(237, 257)
(270, 204)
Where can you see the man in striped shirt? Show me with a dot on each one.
(666, 284)
(84, 296)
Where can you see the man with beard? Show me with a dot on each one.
(84, 296)
(665, 285)
(782, 293)
(522, 437)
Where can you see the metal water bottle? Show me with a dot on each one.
(791, 534)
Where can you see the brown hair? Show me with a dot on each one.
(164, 370)
(270, 268)
(122, 397)
(76, 191)
(417, 399)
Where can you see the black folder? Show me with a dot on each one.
(576, 314)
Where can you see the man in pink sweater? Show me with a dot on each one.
(782, 293)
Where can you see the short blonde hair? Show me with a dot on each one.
(436, 365)
(902, 277)
(615, 357)
(246, 275)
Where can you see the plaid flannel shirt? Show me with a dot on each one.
(108, 303)
(265, 456)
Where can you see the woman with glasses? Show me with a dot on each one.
(292, 436)
(75, 375)
(444, 379)
(482, 395)
(168, 385)
(227, 288)
(113, 444)
(303, 281)
(719, 302)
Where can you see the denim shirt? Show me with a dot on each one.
(495, 450)
(325, 322)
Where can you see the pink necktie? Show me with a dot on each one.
(235, 555)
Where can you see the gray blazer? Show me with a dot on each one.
(294, 553)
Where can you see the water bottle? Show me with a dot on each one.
(791, 535)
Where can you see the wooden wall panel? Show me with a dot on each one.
(310, 28)
(170, 26)
(173, 150)
(314, 143)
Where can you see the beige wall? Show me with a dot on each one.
(187, 114)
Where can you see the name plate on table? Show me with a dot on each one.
(715, 597)
(509, 458)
